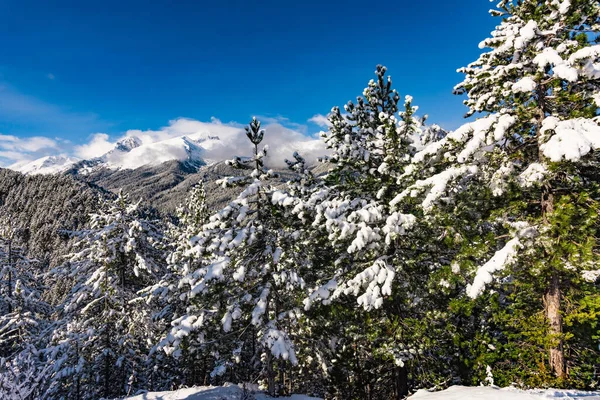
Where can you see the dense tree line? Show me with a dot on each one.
(423, 258)
(45, 209)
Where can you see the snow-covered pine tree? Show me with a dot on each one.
(100, 343)
(24, 315)
(310, 250)
(23, 376)
(368, 254)
(192, 365)
(194, 213)
(526, 172)
(370, 149)
(247, 282)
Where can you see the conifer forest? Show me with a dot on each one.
(408, 257)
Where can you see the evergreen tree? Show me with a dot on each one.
(190, 363)
(23, 376)
(24, 315)
(100, 344)
(245, 282)
(519, 188)
(374, 257)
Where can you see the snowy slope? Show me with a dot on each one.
(226, 392)
(494, 393)
(44, 165)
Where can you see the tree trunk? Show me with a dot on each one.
(106, 365)
(401, 381)
(269, 370)
(270, 374)
(77, 388)
(552, 305)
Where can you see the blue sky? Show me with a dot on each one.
(71, 69)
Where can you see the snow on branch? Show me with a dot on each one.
(500, 260)
(280, 344)
(572, 139)
(435, 186)
(475, 136)
(322, 293)
(378, 278)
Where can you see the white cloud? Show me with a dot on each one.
(164, 143)
(98, 146)
(282, 141)
(35, 144)
(5, 139)
(13, 156)
(35, 115)
(283, 121)
(320, 120)
(13, 148)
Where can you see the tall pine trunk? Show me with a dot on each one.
(401, 380)
(106, 371)
(269, 361)
(552, 295)
(552, 306)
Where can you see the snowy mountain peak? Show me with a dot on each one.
(127, 144)
(181, 148)
(44, 165)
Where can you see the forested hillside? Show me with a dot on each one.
(166, 186)
(415, 258)
(45, 210)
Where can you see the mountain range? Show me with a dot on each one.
(128, 153)
(160, 172)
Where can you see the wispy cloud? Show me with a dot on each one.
(51, 123)
(283, 121)
(14, 149)
(98, 145)
(320, 120)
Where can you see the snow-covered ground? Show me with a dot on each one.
(494, 393)
(226, 392)
(234, 392)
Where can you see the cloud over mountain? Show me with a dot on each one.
(14, 149)
(215, 141)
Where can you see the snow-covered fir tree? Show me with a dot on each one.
(101, 340)
(520, 188)
(192, 362)
(242, 296)
(367, 254)
(370, 148)
(24, 315)
(23, 376)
